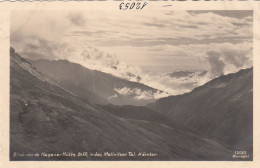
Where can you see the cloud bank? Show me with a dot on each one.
(139, 94)
(142, 47)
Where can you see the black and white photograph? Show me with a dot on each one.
(143, 85)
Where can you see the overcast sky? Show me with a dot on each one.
(155, 40)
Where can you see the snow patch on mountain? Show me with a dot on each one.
(139, 94)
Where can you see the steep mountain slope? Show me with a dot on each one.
(222, 109)
(93, 85)
(44, 117)
(141, 114)
(135, 113)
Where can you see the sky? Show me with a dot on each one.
(153, 40)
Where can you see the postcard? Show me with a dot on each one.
(130, 83)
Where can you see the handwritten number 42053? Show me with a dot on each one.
(133, 5)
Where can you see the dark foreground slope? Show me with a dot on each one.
(46, 118)
(135, 113)
(222, 109)
(93, 85)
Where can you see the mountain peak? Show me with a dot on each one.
(224, 80)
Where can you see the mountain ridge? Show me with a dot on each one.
(221, 109)
(103, 88)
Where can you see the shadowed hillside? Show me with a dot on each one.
(222, 109)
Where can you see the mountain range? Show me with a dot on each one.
(96, 86)
(48, 113)
(179, 74)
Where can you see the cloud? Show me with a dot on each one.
(191, 56)
(228, 13)
(175, 85)
(154, 24)
(175, 27)
(77, 19)
(113, 96)
(179, 27)
(235, 56)
(174, 40)
(229, 58)
(139, 94)
(217, 65)
(124, 91)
